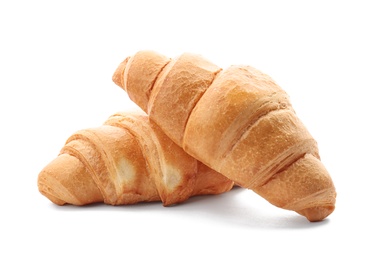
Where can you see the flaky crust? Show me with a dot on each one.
(239, 122)
(125, 161)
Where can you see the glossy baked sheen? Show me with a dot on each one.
(237, 121)
(125, 161)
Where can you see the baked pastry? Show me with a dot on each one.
(237, 121)
(125, 161)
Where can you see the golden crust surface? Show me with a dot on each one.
(240, 123)
(126, 161)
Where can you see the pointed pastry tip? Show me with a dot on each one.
(66, 180)
(117, 77)
(315, 214)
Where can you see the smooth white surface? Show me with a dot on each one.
(56, 63)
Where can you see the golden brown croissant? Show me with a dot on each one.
(125, 161)
(237, 121)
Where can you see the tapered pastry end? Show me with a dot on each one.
(66, 180)
(304, 187)
(137, 75)
(117, 78)
(315, 214)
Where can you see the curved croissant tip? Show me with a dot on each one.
(319, 213)
(66, 181)
(117, 78)
(45, 189)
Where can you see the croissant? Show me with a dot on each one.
(237, 121)
(125, 161)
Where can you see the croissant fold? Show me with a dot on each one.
(237, 121)
(125, 161)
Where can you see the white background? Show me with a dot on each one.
(56, 64)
